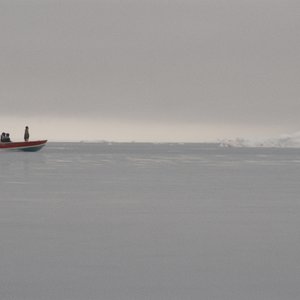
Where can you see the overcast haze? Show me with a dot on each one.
(149, 70)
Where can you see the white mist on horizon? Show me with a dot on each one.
(83, 129)
(291, 140)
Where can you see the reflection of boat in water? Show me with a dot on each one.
(30, 146)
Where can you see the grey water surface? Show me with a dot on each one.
(149, 221)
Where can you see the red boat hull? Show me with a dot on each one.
(30, 146)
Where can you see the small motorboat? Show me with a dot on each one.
(30, 146)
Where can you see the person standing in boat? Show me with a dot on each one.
(26, 134)
(3, 137)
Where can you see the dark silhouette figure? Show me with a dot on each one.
(7, 138)
(26, 134)
(3, 137)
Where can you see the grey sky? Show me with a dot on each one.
(217, 68)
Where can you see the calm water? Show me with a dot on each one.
(149, 221)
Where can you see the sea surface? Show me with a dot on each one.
(92, 221)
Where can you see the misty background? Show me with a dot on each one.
(149, 70)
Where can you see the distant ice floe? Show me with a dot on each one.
(283, 141)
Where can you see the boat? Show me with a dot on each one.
(30, 146)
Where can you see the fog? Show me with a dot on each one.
(213, 68)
